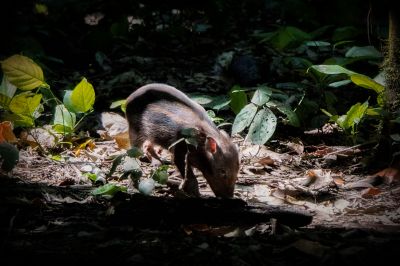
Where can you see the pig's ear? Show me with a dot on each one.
(211, 145)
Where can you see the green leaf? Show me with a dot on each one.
(244, 118)
(4, 101)
(22, 72)
(134, 152)
(108, 190)
(238, 99)
(117, 161)
(364, 52)
(332, 69)
(211, 114)
(317, 44)
(146, 186)
(218, 103)
(19, 120)
(353, 116)
(261, 96)
(129, 164)
(345, 33)
(7, 89)
(286, 37)
(68, 101)
(367, 82)
(26, 104)
(82, 96)
(117, 104)
(190, 135)
(161, 174)
(339, 83)
(9, 155)
(292, 117)
(200, 98)
(64, 120)
(263, 127)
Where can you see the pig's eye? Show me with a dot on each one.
(222, 172)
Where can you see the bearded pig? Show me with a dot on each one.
(158, 114)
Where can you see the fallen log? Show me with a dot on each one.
(143, 210)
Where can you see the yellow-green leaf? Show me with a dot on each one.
(22, 72)
(25, 104)
(82, 96)
(366, 82)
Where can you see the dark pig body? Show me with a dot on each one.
(157, 113)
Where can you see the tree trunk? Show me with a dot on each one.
(392, 63)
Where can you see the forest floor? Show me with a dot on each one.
(48, 213)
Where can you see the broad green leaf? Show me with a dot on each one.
(134, 152)
(19, 120)
(244, 118)
(297, 62)
(219, 102)
(286, 37)
(332, 69)
(263, 127)
(365, 52)
(190, 136)
(292, 117)
(208, 101)
(117, 161)
(211, 114)
(367, 82)
(64, 120)
(9, 156)
(108, 190)
(41, 9)
(374, 112)
(380, 78)
(261, 96)
(130, 164)
(146, 186)
(238, 99)
(4, 101)
(7, 89)
(68, 101)
(83, 96)
(317, 44)
(161, 174)
(345, 33)
(200, 98)
(117, 103)
(339, 83)
(341, 61)
(353, 116)
(25, 104)
(22, 72)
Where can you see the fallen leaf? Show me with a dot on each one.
(370, 192)
(390, 174)
(297, 147)
(267, 161)
(338, 180)
(6, 132)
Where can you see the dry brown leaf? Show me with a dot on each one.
(370, 192)
(267, 161)
(122, 140)
(338, 180)
(6, 132)
(87, 144)
(297, 147)
(390, 174)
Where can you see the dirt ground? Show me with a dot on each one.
(49, 215)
